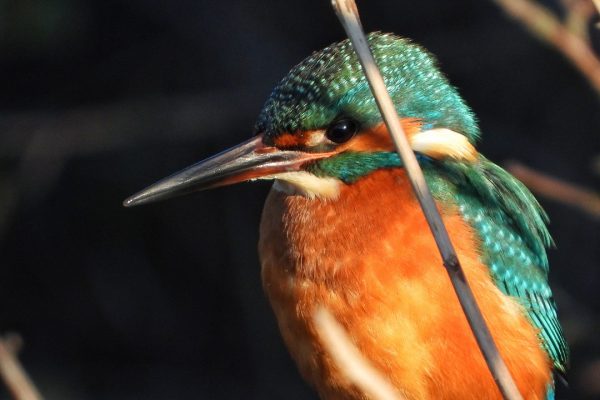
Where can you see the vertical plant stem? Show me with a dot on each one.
(347, 12)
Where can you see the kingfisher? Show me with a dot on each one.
(342, 229)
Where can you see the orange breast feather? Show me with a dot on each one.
(370, 259)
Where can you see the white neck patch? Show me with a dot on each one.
(441, 143)
(306, 184)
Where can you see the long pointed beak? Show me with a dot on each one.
(246, 161)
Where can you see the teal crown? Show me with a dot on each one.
(330, 83)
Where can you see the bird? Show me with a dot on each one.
(342, 229)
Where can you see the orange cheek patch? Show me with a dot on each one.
(298, 140)
(377, 138)
(290, 140)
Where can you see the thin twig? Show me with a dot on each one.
(556, 189)
(578, 15)
(349, 360)
(547, 27)
(12, 372)
(347, 12)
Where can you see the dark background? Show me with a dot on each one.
(100, 98)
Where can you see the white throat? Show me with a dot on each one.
(306, 184)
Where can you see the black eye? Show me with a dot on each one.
(341, 131)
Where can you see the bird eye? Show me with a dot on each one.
(341, 131)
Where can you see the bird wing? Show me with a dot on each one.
(512, 228)
(517, 272)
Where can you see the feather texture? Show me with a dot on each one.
(512, 228)
(369, 258)
(330, 83)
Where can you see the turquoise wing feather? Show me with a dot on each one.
(512, 228)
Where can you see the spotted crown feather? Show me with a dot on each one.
(330, 83)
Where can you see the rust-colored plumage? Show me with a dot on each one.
(370, 259)
(341, 229)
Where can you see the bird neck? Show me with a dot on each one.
(368, 256)
(361, 220)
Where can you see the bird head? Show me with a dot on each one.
(321, 128)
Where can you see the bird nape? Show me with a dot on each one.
(342, 229)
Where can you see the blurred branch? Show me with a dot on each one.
(578, 16)
(14, 376)
(556, 189)
(352, 364)
(572, 43)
